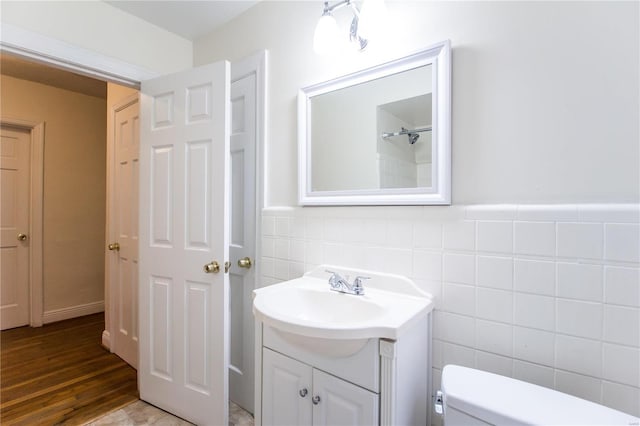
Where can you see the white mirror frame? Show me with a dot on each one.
(439, 56)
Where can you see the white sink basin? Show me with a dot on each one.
(310, 304)
(305, 306)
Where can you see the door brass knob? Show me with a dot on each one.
(245, 262)
(22, 237)
(212, 267)
(114, 246)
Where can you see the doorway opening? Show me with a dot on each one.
(257, 196)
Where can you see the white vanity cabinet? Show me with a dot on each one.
(377, 382)
(328, 358)
(295, 393)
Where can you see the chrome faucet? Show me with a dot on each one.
(340, 284)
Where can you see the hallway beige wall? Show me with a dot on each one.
(74, 190)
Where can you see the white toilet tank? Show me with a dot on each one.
(474, 397)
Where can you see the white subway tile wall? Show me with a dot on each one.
(580, 240)
(583, 282)
(549, 294)
(621, 286)
(533, 373)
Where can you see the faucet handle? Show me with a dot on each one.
(357, 284)
(357, 281)
(334, 278)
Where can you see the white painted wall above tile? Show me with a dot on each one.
(529, 125)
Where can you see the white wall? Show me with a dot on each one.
(545, 94)
(99, 27)
(535, 269)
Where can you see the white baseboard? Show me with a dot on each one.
(106, 340)
(72, 312)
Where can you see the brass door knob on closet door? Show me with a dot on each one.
(114, 246)
(212, 267)
(245, 262)
(22, 237)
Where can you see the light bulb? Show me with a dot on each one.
(325, 37)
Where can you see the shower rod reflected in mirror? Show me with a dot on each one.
(412, 134)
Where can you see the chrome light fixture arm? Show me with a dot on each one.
(353, 32)
(328, 9)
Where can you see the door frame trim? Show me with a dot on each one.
(109, 262)
(36, 189)
(61, 54)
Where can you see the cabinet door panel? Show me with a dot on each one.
(342, 403)
(283, 380)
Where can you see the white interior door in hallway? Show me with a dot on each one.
(242, 240)
(14, 226)
(123, 231)
(184, 243)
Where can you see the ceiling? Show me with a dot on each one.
(186, 18)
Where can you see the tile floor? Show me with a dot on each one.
(142, 414)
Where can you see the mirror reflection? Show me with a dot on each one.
(374, 135)
(380, 136)
(404, 152)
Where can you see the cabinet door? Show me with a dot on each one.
(286, 390)
(340, 403)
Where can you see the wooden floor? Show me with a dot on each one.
(60, 374)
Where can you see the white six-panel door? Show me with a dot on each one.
(14, 227)
(125, 232)
(242, 240)
(184, 312)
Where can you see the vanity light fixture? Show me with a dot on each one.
(326, 36)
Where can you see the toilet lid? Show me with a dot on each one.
(501, 400)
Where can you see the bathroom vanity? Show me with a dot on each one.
(330, 358)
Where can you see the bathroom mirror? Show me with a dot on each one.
(381, 136)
